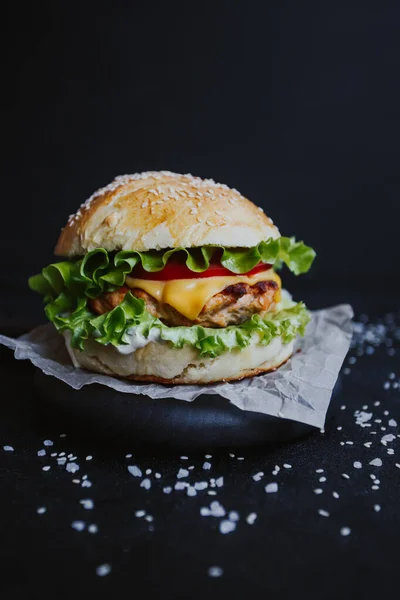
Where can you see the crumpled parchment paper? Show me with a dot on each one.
(300, 390)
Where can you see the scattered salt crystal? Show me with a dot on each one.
(206, 466)
(76, 481)
(93, 529)
(89, 457)
(335, 495)
(215, 571)
(184, 457)
(233, 515)
(376, 462)
(46, 468)
(217, 510)
(368, 444)
(240, 458)
(182, 473)
(167, 490)
(128, 455)
(258, 476)
(191, 491)
(87, 504)
(48, 443)
(149, 518)
(377, 507)
(157, 475)
(146, 484)
(389, 437)
(78, 525)
(72, 467)
(140, 513)
(181, 485)
(318, 491)
(219, 482)
(41, 452)
(319, 470)
(250, 519)
(103, 570)
(226, 526)
(134, 470)
(287, 466)
(41, 510)
(322, 479)
(357, 464)
(323, 512)
(200, 485)
(204, 511)
(271, 488)
(210, 455)
(345, 531)
(86, 483)
(392, 423)
(8, 449)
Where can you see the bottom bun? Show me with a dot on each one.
(161, 363)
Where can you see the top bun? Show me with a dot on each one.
(160, 209)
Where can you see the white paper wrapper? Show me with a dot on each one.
(300, 390)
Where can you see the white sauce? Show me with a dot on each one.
(136, 340)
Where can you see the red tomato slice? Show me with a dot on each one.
(176, 270)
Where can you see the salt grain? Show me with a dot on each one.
(226, 526)
(78, 525)
(271, 488)
(134, 470)
(72, 467)
(215, 571)
(251, 518)
(182, 473)
(103, 570)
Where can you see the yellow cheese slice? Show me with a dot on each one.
(188, 296)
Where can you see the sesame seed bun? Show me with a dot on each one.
(159, 362)
(158, 210)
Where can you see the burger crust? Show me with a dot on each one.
(159, 209)
(159, 362)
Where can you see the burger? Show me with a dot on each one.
(173, 279)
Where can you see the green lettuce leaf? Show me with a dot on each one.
(101, 271)
(115, 326)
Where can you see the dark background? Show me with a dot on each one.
(295, 104)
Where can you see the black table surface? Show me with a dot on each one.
(296, 547)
